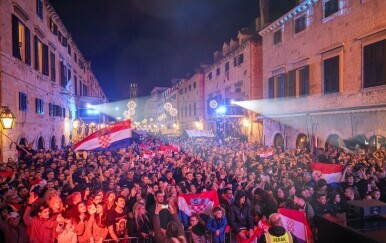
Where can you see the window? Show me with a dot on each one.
(64, 112)
(60, 36)
(300, 24)
(58, 110)
(181, 92)
(374, 64)
(80, 87)
(304, 81)
(237, 88)
(51, 107)
(69, 75)
(39, 8)
(21, 41)
(75, 85)
(194, 109)
(53, 66)
(69, 49)
(210, 76)
(277, 37)
(41, 56)
(217, 71)
(194, 85)
(190, 87)
(85, 90)
(271, 88)
(53, 27)
(75, 57)
(39, 106)
(238, 60)
(331, 75)
(291, 84)
(279, 86)
(63, 74)
(190, 110)
(64, 41)
(227, 67)
(22, 101)
(330, 7)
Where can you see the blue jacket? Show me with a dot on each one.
(213, 225)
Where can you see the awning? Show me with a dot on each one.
(200, 133)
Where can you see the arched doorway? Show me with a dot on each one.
(23, 141)
(278, 140)
(40, 143)
(332, 140)
(302, 141)
(63, 141)
(53, 143)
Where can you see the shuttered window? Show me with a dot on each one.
(21, 41)
(331, 75)
(374, 64)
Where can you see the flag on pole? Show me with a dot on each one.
(198, 203)
(332, 173)
(295, 222)
(111, 137)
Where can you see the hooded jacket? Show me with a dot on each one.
(240, 216)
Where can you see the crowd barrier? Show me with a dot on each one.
(229, 238)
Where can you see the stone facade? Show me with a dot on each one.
(317, 81)
(236, 74)
(44, 77)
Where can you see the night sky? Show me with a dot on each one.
(153, 41)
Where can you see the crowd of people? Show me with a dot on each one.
(98, 196)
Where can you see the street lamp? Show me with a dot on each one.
(7, 118)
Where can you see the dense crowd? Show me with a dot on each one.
(66, 196)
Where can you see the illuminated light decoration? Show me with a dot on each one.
(125, 113)
(163, 116)
(297, 10)
(145, 120)
(116, 108)
(131, 104)
(131, 112)
(213, 104)
(173, 112)
(168, 106)
(221, 110)
(160, 118)
(151, 119)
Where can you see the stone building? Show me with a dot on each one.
(235, 75)
(324, 72)
(153, 109)
(44, 78)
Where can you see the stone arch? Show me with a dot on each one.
(23, 141)
(302, 141)
(53, 143)
(63, 141)
(40, 144)
(278, 140)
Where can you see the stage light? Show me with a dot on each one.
(233, 102)
(221, 110)
(88, 105)
(116, 108)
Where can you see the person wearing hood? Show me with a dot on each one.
(277, 233)
(240, 217)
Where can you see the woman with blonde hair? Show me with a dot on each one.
(139, 225)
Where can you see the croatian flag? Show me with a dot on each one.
(332, 173)
(198, 203)
(295, 222)
(112, 137)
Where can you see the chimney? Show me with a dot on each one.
(264, 12)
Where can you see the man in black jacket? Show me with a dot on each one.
(277, 233)
(240, 217)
